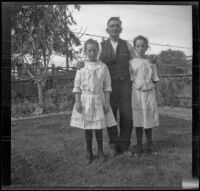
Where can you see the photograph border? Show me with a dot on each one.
(6, 86)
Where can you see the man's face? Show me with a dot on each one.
(114, 28)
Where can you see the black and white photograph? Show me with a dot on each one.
(101, 95)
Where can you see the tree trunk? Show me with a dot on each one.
(39, 108)
(67, 60)
(40, 94)
(44, 56)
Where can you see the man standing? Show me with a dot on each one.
(116, 53)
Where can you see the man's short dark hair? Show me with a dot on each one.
(115, 19)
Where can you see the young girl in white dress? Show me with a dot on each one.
(144, 104)
(92, 88)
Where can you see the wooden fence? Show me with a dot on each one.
(26, 88)
(177, 88)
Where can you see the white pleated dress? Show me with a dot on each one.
(92, 81)
(144, 103)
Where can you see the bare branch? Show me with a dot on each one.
(47, 48)
(74, 30)
(80, 29)
(82, 34)
(26, 59)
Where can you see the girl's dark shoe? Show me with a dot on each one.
(113, 151)
(128, 154)
(89, 158)
(150, 150)
(101, 157)
(139, 151)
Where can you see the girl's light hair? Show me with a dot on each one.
(140, 37)
(90, 41)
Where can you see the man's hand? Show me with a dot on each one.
(79, 107)
(152, 59)
(79, 64)
(106, 108)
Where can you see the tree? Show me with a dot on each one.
(36, 30)
(172, 62)
(64, 38)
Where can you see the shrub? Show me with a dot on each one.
(171, 92)
(167, 93)
(62, 98)
(22, 107)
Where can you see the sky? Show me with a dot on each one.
(161, 24)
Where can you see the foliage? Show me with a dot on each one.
(172, 62)
(166, 94)
(170, 91)
(40, 30)
(64, 37)
(61, 98)
(59, 95)
(47, 25)
(22, 107)
(173, 56)
(55, 100)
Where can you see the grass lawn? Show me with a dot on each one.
(47, 152)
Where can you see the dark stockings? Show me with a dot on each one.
(139, 135)
(148, 133)
(88, 138)
(99, 138)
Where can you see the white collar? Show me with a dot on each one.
(114, 42)
(93, 65)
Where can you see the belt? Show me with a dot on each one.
(90, 92)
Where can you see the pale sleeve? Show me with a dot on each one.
(77, 82)
(131, 50)
(155, 73)
(100, 52)
(107, 80)
(131, 71)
